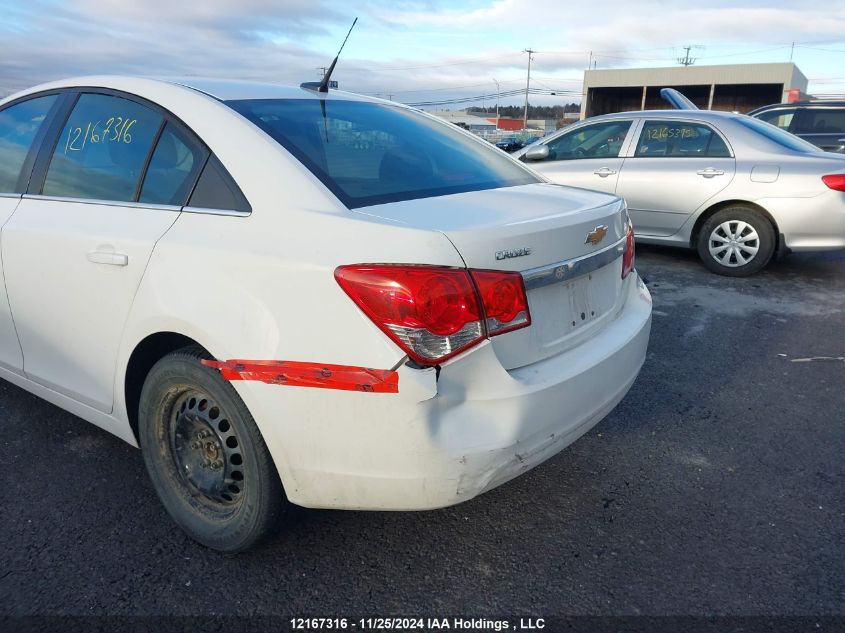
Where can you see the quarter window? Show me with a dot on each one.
(102, 150)
(217, 190)
(680, 140)
(18, 126)
(601, 140)
(173, 169)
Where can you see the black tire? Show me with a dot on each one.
(734, 241)
(205, 455)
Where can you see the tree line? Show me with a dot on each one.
(534, 112)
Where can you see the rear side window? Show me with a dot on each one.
(782, 117)
(677, 139)
(173, 169)
(18, 126)
(600, 140)
(102, 150)
(372, 153)
(821, 121)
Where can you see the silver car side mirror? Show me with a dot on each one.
(539, 152)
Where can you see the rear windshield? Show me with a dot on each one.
(371, 153)
(777, 135)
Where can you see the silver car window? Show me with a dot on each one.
(599, 140)
(680, 139)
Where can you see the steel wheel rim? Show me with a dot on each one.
(206, 451)
(734, 243)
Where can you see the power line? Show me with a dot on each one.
(508, 93)
(501, 81)
(619, 54)
(761, 50)
(478, 60)
(828, 50)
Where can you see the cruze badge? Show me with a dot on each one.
(513, 252)
(596, 235)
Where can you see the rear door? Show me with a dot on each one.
(676, 166)
(77, 246)
(588, 156)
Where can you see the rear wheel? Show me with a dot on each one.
(205, 455)
(736, 242)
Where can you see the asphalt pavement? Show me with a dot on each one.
(717, 487)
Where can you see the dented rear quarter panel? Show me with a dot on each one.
(262, 287)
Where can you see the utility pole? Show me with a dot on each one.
(323, 70)
(527, 84)
(497, 102)
(686, 60)
(791, 51)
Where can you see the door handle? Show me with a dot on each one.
(604, 172)
(108, 257)
(710, 172)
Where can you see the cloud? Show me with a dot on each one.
(255, 39)
(415, 50)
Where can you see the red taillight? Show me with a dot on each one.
(504, 300)
(434, 313)
(835, 181)
(628, 255)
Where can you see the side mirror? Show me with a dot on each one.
(538, 152)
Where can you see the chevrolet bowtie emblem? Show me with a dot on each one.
(596, 235)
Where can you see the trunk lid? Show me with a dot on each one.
(574, 286)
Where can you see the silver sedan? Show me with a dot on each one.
(738, 190)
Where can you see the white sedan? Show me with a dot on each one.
(278, 292)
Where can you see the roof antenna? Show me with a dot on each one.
(323, 86)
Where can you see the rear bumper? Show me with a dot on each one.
(444, 440)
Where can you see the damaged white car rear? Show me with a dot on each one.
(319, 296)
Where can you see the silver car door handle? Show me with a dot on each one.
(108, 257)
(710, 172)
(604, 172)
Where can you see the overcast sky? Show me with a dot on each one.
(411, 50)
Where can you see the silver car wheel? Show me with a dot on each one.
(734, 243)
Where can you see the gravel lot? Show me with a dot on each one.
(716, 487)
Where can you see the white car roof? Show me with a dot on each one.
(232, 89)
(222, 89)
